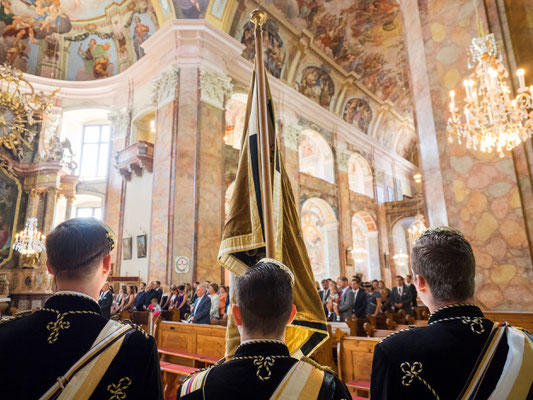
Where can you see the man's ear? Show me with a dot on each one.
(293, 314)
(49, 268)
(236, 311)
(106, 264)
(421, 284)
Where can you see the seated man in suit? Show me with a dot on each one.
(60, 339)
(105, 301)
(401, 296)
(262, 367)
(201, 308)
(360, 302)
(345, 307)
(460, 354)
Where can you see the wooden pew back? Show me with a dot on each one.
(354, 355)
(519, 319)
(205, 340)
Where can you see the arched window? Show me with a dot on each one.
(235, 115)
(360, 176)
(319, 227)
(315, 156)
(400, 239)
(365, 245)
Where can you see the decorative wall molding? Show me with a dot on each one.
(165, 87)
(119, 123)
(342, 159)
(215, 87)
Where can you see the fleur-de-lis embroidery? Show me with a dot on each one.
(55, 326)
(117, 390)
(264, 363)
(413, 371)
(476, 324)
(410, 372)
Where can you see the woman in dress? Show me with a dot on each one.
(117, 301)
(374, 301)
(222, 302)
(215, 302)
(171, 299)
(181, 302)
(129, 298)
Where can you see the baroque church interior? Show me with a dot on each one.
(145, 114)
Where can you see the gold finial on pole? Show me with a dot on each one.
(258, 17)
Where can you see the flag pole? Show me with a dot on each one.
(259, 17)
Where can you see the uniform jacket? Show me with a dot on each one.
(406, 298)
(436, 360)
(360, 304)
(105, 302)
(139, 301)
(202, 313)
(245, 377)
(346, 303)
(53, 339)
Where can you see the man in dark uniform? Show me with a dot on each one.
(441, 359)
(262, 367)
(38, 349)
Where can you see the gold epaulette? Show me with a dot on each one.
(137, 327)
(317, 365)
(18, 315)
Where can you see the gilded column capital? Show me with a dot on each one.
(165, 87)
(215, 87)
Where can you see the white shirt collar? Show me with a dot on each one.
(74, 293)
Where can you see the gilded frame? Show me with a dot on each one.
(15, 217)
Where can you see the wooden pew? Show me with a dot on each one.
(324, 354)
(355, 363)
(421, 312)
(519, 319)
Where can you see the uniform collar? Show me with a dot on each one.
(72, 301)
(262, 347)
(455, 310)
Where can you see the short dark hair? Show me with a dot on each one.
(445, 259)
(181, 287)
(323, 280)
(158, 282)
(214, 286)
(143, 283)
(264, 296)
(76, 247)
(399, 277)
(408, 276)
(343, 278)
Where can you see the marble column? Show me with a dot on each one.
(478, 191)
(70, 205)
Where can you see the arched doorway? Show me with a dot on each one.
(315, 156)
(360, 175)
(365, 236)
(320, 233)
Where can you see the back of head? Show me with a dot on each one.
(264, 296)
(445, 259)
(76, 247)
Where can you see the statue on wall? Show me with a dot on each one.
(57, 151)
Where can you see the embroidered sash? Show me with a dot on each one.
(83, 377)
(515, 379)
(302, 382)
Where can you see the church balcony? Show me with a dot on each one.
(135, 158)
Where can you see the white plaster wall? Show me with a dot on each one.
(137, 214)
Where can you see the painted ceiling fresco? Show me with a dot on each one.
(364, 36)
(74, 39)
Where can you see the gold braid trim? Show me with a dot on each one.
(400, 331)
(137, 327)
(317, 365)
(20, 314)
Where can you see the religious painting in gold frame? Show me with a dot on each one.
(10, 197)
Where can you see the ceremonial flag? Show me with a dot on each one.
(243, 238)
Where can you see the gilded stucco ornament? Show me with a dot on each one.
(21, 107)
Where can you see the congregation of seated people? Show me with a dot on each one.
(197, 303)
(343, 299)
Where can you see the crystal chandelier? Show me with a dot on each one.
(417, 229)
(359, 254)
(492, 119)
(29, 242)
(401, 258)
